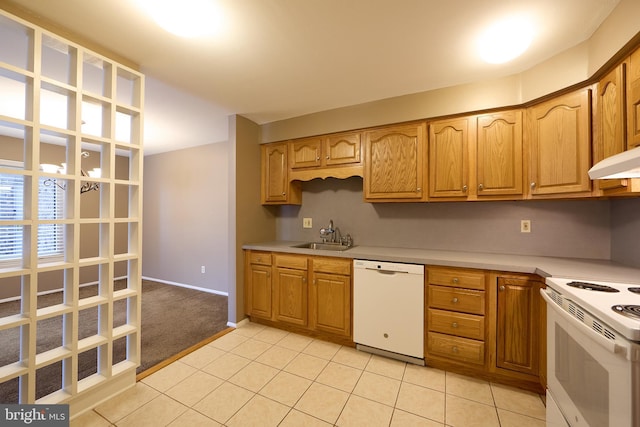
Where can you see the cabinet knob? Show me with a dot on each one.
(454, 349)
(454, 325)
(455, 280)
(386, 335)
(465, 188)
(318, 158)
(419, 189)
(502, 287)
(454, 300)
(480, 187)
(283, 193)
(328, 157)
(533, 185)
(304, 280)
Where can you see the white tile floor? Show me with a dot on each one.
(260, 376)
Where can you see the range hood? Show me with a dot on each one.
(621, 165)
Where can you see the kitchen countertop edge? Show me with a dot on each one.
(574, 268)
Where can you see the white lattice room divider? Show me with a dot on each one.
(54, 92)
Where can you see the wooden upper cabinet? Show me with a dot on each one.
(499, 154)
(304, 153)
(449, 157)
(476, 156)
(633, 101)
(275, 185)
(560, 145)
(342, 149)
(610, 123)
(394, 163)
(325, 151)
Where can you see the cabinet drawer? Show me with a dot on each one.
(263, 258)
(463, 300)
(295, 262)
(462, 325)
(332, 265)
(461, 349)
(456, 278)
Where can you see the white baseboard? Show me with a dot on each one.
(182, 285)
(238, 324)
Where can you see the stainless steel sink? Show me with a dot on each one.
(323, 246)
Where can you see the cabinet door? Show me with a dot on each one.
(633, 101)
(342, 149)
(449, 158)
(610, 121)
(305, 153)
(330, 308)
(260, 296)
(274, 173)
(499, 154)
(394, 163)
(561, 145)
(291, 296)
(518, 325)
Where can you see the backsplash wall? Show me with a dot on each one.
(574, 228)
(625, 231)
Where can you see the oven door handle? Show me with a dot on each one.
(609, 345)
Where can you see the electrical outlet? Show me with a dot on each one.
(525, 226)
(202, 269)
(307, 223)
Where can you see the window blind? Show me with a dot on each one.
(50, 207)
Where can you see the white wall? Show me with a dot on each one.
(186, 222)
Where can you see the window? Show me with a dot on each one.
(51, 205)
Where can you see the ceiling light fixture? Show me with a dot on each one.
(184, 18)
(62, 169)
(505, 40)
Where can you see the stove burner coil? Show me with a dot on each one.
(632, 311)
(592, 287)
(634, 290)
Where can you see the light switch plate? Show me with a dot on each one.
(307, 223)
(525, 226)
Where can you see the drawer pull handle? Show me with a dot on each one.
(455, 300)
(454, 325)
(454, 349)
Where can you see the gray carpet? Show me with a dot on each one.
(173, 319)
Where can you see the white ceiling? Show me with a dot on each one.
(276, 59)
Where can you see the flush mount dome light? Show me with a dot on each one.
(505, 40)
(184, 18)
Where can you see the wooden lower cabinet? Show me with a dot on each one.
(486, 324)
(517, 326)
(290, 289)
(258, 285)
(305, 294)
(330, 302)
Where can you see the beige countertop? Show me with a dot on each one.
(574, 268)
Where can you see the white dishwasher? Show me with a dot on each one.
(388, 309)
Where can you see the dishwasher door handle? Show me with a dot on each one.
(390, 272)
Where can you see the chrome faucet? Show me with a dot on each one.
(333, 234)
(324, 232)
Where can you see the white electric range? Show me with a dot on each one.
(593, 353)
